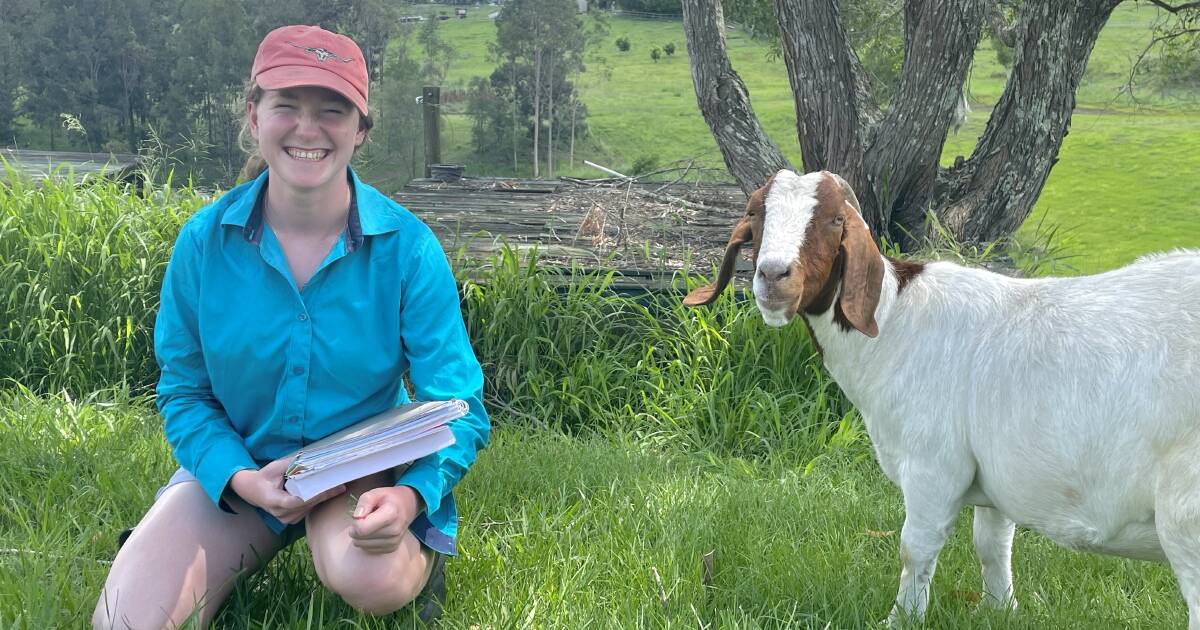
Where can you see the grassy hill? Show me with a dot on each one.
(1127, 180)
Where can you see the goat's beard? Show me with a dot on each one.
(777, 313)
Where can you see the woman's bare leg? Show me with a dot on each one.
(373, 583)
(182, 559)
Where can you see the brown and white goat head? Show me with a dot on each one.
(812, 252)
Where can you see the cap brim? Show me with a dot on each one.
(284, 77)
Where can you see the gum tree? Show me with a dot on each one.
(890, 153)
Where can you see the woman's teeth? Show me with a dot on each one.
(307, 155)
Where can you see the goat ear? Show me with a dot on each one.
(705, 295)
(743, 232)
(863, 277)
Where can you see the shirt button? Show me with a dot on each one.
(298, 370)
(302, 317)
(294, 419)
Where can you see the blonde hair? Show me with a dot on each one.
(255, 164)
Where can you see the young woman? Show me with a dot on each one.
(291, 308)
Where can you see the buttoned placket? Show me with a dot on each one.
(299, 347)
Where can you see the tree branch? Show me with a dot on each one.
(902, 159)
(749, 154)
(1175, 8)
(991, 194)
(834, 109)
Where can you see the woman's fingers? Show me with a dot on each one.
(382, 522)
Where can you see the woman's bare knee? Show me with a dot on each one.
(181, 562)
(374, 588)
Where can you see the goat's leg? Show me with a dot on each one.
(993, 544)
(1177, 521)
(928, 520)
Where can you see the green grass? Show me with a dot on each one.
(559, 532)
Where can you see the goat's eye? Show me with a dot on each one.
(839, 219)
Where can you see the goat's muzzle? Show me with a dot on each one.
(778, 290)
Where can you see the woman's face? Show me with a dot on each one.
(307, 135)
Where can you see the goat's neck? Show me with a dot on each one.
(845, 347)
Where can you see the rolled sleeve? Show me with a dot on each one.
(196, 425)
(442, 365)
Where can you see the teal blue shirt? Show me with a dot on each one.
(253, 369)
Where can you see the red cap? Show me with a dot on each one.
(293, 56)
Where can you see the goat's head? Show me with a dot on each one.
(811, 246)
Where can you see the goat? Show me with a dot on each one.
(1068, 405)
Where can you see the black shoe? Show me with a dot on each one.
(122, 537)
(432, 598)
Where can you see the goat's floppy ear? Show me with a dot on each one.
(743, 232)
(862, 280)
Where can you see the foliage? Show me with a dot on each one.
(669, 48)
(655, 54)
(623, 44)
(540, 46)
(875, 28)
(124, 67)
(661, 7)
(79, 279)
(397, 138)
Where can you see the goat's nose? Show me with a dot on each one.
(774, 270)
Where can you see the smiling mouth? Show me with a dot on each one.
(312, 155)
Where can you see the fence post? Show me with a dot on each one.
(431, 97)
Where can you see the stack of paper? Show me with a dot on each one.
(394, 437)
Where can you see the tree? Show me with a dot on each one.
(545, 35)
(889, 149)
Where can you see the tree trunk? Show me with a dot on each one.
(749, 154)
(989, 195)
(892, 161)
(550, 124)
(902, 161)
(516, 159)
(537, 108)
(574, 109)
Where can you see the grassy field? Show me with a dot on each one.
(593, 531)
(1127, 168)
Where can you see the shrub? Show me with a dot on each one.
(623, 44)
(669, 48)
(655, 54)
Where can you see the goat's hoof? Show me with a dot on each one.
(899, 619)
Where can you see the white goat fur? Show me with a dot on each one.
(1068, 405)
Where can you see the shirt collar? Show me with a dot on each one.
(247, 213)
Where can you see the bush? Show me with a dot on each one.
(644, 164)
(669, 48)
(655, 54)
(669, 7)
(623, 44)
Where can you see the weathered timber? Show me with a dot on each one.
(648, 236)
(38, 165)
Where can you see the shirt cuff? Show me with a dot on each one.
(218, 466)
(426, 479)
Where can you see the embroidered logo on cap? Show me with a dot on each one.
(321, 53)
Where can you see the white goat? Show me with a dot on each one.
(1068, 405)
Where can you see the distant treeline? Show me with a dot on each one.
(158, 75)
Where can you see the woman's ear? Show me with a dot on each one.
(252, 118)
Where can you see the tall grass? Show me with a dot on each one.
(569, 353)
(80, 269)
(81, 266)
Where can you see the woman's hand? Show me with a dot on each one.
(264, 488)
(382, 516)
